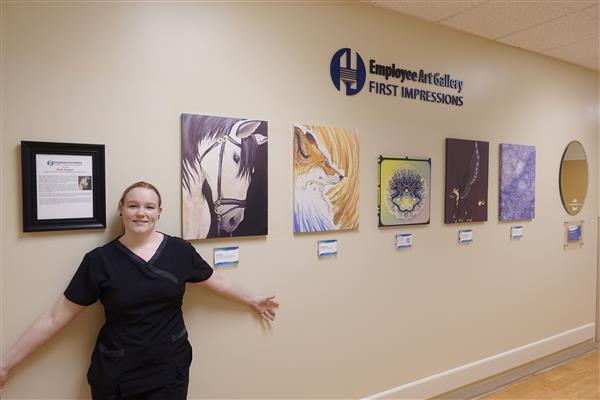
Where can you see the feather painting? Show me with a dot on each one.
(466, 181)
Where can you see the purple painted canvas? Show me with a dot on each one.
(517, 182)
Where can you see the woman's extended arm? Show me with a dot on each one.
(264, 305)
(42, 329)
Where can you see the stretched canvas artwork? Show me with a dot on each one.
(404, 191)
(517, 182)
(223, 176)
(466, 193)
(325, 179)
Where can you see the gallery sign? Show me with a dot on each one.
(350, 75)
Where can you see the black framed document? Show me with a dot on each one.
(63, 186)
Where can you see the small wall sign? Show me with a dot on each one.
(573, 234)
(516, 232)
(465, 236)
(226, 256)
(327, 248)
(404, 240)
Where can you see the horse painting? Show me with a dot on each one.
(223, 176)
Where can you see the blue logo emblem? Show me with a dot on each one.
(50, 162)
(342, 71)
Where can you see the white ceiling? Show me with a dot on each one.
(567, 30)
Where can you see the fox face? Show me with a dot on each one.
(310, 162)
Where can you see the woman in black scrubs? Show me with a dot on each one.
(142, 351)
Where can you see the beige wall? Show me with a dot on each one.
(373, 317)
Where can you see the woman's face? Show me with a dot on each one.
(140, 210)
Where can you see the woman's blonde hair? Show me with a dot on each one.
(141, 184)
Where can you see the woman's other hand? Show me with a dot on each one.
(265, 306)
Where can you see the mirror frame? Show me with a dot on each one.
(560, 173)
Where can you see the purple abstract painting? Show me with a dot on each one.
(517, 182)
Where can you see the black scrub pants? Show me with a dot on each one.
(176, 391)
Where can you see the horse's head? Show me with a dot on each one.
(228, 168)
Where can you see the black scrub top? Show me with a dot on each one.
(143, 343)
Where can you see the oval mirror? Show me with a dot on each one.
(573, 177)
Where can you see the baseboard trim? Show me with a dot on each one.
(500, 381)
(449, 381)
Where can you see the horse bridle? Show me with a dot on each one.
(221, 201)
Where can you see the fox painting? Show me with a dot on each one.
(325, 179)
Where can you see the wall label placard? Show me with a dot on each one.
(465, 236)
(573, 234)
(349, 75)
(226, 256)
(327, 248)
(404, 240)
(516, 232)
